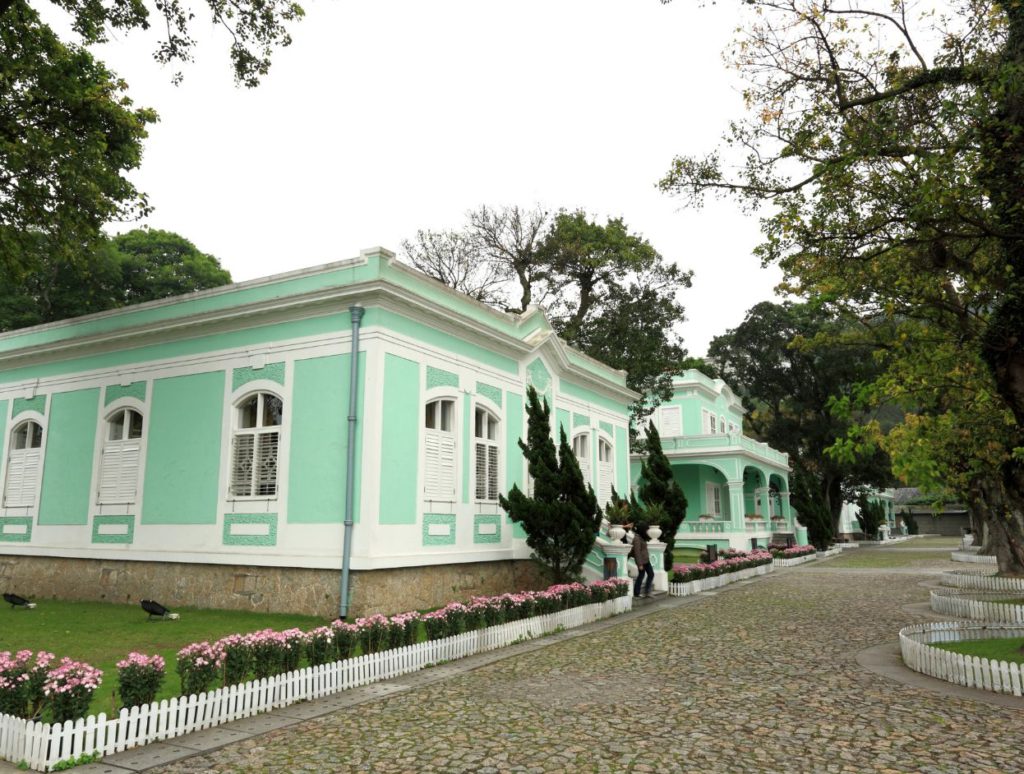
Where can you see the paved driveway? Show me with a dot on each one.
(760, 676)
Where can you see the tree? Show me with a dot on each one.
(69, 134)
(790, 363)
(890, 149)
(658, 488)
(870, 517)
(142, 265)
(562, 518)
(608, 292)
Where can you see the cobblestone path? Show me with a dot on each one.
(760, 677)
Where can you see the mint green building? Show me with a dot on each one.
(197, 450)
(737, 489)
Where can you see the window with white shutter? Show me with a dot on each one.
(439, 450)
(485, 442)
(721, 425)
(255, 446)
(120, 458)
(713, 496)
(671, 421)
(24, 461)
(581, 448)
(605, 472)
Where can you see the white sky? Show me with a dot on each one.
(388, 116)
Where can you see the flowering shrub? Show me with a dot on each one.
(21, 682)
(269, 651)
(782, 552)
(198, 665)
(295, 644)
(138, 678)
(346, 636)
(733, 562)
(374, 631)
(69, 687)
(408, 624)
(236, 656)
(320, 646)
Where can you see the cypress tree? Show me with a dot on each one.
(562, 518)
(658, 487)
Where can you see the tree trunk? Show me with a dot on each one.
(996, 503)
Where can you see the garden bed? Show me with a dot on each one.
(42, 745)
(982, 581)
(969, 556)
(917, 646)
(990, 606)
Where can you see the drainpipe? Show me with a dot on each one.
(356, 313)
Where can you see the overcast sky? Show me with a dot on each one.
(389, 116)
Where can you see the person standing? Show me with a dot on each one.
(643, 561)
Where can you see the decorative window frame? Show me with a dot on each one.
(481, 402)
(586, 465)
(713, 494)
(427, 503)
(14, 422)
(102, 423)
(247, 503)
(662, 429)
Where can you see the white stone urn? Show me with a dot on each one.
(653, 532)
(616, 533)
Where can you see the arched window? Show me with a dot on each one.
(485, 435)
(24, 463)
(581, 448)
(439, 450)
(121, 457)
(605, 472)
(257, 439)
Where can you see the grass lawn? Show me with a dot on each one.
(1010, 649)
(861, 558)
(928, 542)
(102, 634)
(686, 555)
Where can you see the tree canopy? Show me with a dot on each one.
(141, 265)
(888, 141)
(607, 291)
(69, 134)
(790, 364)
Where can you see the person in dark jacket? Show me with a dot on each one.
(643, 561)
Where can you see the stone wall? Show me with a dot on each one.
(267, 589)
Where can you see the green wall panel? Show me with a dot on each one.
(38, 403)
(114, 392)
(513, 454)
(67, 467)
(486, 528)
(319, 416)
(125, 535)
(442, 519)
(400, 449)
(492, 394)
(592, 397)
(269, 520)
(563, 421)
(15, 529)
(273, 372)
(183, 454)
(438, 377)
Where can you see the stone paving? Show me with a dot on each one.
(757, 677)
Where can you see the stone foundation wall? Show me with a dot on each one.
(266, 589)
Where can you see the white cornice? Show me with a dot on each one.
(731, 451)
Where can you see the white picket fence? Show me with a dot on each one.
(706, 584)
(979, 606)
(968, 556)
(968, 579)
(41, 745)
(795, 560)
(970, 671)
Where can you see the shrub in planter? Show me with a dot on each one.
(139, 678)
(346, 636)
(198, 665)
(269, 650)
(21, 682)
(406, 627)
(458, 617)
(236, 656)
(69, 687)
(492, 608)
(320, 646)
(436, 623)
(374, 632)
(295, 642)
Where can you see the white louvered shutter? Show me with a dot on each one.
(242, 465)
(481, 471)
(22, 478)
(671, 421)
(604, 495)
(119, 473)
(439, 466)
(266, 464)
(492, 472)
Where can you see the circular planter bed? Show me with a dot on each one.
(919, 654)
(968, 556)
(992, 606)
(981, 580)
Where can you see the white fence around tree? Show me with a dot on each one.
(990, 606)
(968, 556)
(982, 581)
(41, 745)
(717, 581)
(970, 671)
